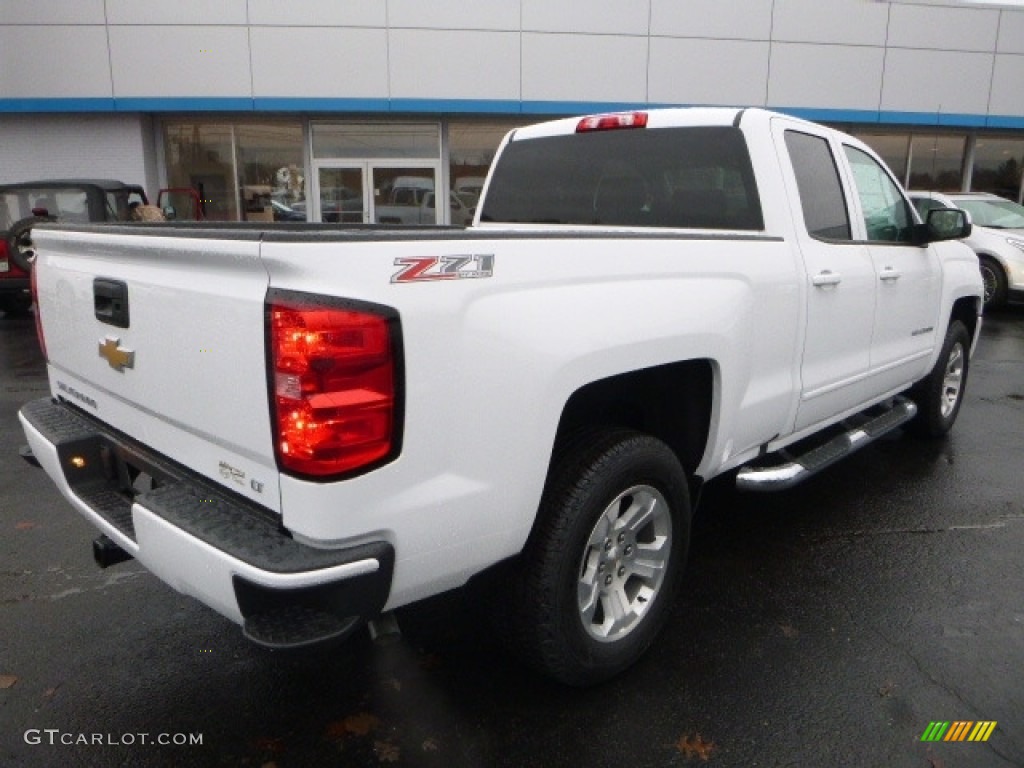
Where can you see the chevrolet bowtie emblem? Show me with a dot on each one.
(118, 357)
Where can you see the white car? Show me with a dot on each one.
(997, 238)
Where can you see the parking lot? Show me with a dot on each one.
(825, 626)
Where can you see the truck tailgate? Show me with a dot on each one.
(182, 367)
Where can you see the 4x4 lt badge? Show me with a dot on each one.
(117, 356)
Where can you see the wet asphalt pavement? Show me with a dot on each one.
(825, 626)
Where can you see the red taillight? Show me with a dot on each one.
(39, 315)
(13, 270)
(334, 385)
(614, 122)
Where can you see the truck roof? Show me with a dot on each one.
(661, 117)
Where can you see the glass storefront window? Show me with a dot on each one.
(247, 172)
(200, 156)
(936, 163)
(893, 148)
(471, 148)
(404, 196)
(998, 166)
(271, 176)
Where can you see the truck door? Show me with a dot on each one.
(840, 277)
(907, 276)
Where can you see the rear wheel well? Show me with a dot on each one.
(993, 258)
(670, 402)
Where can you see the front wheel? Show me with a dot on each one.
(994, 279)
(940, 394)
(597, 578)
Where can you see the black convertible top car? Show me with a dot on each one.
(25, 204)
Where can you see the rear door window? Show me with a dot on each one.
(821, 192)
(66, 204)
(697, 177)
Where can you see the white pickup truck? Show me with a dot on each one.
(304, 427)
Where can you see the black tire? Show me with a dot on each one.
(994, 278)
(635, 565)
(940, 394)
(19, 240)
(17, 305)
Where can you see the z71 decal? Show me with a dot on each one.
(424, 268)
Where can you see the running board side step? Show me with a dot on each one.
(800, 468)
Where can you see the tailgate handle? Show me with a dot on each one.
(110, 298)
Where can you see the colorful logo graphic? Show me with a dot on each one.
(959, 730)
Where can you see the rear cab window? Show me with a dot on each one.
(696, 177)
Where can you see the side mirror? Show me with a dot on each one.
(170, 213)
(946, 224)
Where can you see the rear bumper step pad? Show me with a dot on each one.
(284, 593)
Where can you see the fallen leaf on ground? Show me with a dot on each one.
(430, 745)
(695, 746)
(24, 525)
(49, 693)
(430, 661)
(887, 689)
(6, 681)
(358, 725)
(386, 751)
(274, 746)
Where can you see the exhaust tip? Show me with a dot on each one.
(106, 552)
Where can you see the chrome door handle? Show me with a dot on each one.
(827, 277)
(889, 274)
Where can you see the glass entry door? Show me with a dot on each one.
(340, 195)
(377, 193)
(404, 195)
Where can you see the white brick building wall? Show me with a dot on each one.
(876, 61)
(34, 147)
